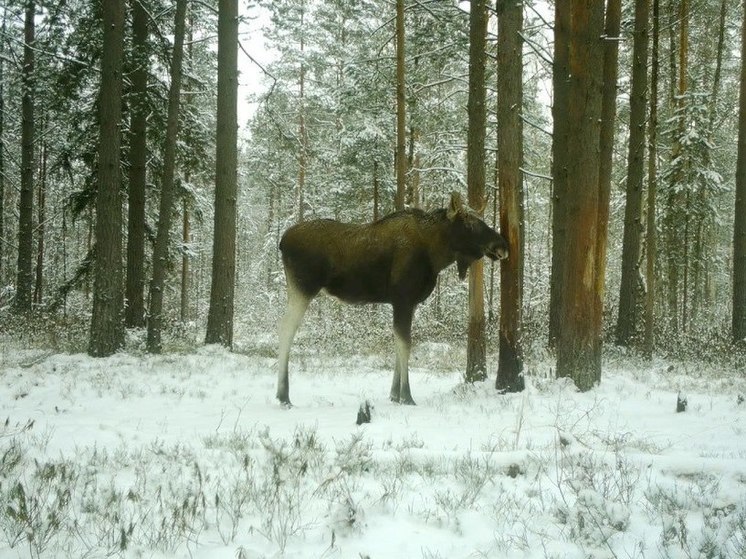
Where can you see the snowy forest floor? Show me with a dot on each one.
(188, 454)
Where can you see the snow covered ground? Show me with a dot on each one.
(189, 455)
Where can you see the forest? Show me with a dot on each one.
(153, 153)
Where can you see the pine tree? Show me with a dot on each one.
(107, 321)
(220, 316)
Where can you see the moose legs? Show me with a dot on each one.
(403, 337)
(296, 308)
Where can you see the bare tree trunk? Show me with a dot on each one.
(627, 319)
(676, 217)
(24, 282)
(41, 209)
(220, 316)
(401, 132)
(138, 155)
(608, 121)
(651, 233)
(186, 232)
(560, 141)
(375, 190)
(186, 239)
(739, 226)
(107, 321)
(160, 252)
(579, 341)
(476, 353)
(510, 159)
(302, 133)
(2, 150)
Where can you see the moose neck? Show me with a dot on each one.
(441, 249)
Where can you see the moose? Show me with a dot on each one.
(394, 260)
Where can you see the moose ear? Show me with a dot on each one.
(456, 205)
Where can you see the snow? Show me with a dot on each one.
(189, 455)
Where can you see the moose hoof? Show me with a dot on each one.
(407, 401)
(285, 402)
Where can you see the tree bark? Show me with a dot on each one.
(24, 281)
(401, 132)
(41, 211)
(220, 316)
(510, 179)
(651, 234)
(107, 321)
(739, 226)
(160, 252)
(135, 279)
(302, 132)
(579, 341)
(627, 318)
(476, 353)
(560, 141)
(608, 125)
(676, 201)
(2, 150)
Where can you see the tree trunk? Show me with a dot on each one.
(160, 252)
(510, 159)
(476, 353)
(186, 232)
(24, 282)
(186, 239)
(676, 200)
(651, 234)
(107, 321)
(138, 154)
(579, 341)
(627, 319)
(608, 121)
(739, 226)
(302, 133)
(375, 190)
(560, 141)
(2, 151)
(41, 209)
(401, 132)
(220, 316)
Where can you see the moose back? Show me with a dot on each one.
(394, 260)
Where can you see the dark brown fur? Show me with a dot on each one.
(395, 260)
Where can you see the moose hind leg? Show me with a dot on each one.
(296, 308)
(396, 382)
(403, 338)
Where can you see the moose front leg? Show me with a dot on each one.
(403, 336)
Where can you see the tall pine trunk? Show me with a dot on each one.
(2, 152)
(676, 210)
(627, 318)
(651, 233)
(560, 141)
(579, 340)
(510, 179)
(135, 280)
(24, 281)
(401, 132)
(302, 131)
(220, 315)
(160, 252)
(608, 122)
(739, 226)
(476, 352)
(41, 213)
(107, 321)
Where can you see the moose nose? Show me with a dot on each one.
(502, 253)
